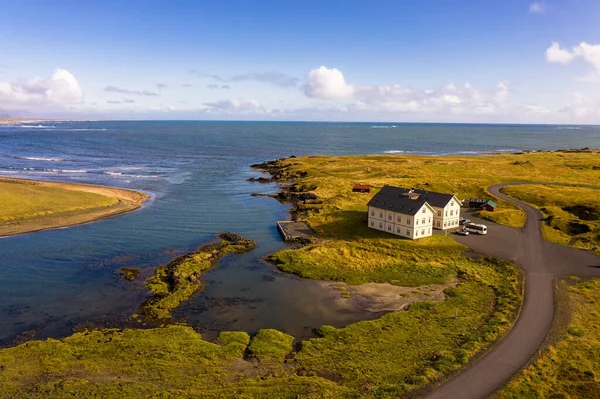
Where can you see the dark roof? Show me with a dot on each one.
(438, 200)
(392, 199)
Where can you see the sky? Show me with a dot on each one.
(472, 61)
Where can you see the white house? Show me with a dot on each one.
(401, 212)
(446, 208)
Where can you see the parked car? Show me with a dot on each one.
(462, 232)
(464, 221)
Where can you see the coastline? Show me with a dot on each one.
(127, 201)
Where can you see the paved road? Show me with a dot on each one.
(542, 263)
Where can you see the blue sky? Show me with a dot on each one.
(510, 61)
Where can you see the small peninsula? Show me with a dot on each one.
(33, 205)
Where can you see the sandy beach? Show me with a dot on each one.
(126, 200)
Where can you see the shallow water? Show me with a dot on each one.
(51, 281)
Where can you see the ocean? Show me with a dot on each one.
(57, 281)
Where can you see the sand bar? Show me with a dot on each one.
(125, 201)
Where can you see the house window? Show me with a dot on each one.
(452, 203)
(416, 233)
(380, 214)
(389, 227)
(438, 223)
(423, 220)
(429, 231)
(424, 210)
(381, 225)
(417, 222)
(408, 232)
(372, 223)
(445, 224)
(451, 212)
(398, 230)
(429, 220)
(390, 217)
(423, 232)
(399, 219)
(408, 220)
(446, 213)
(372, 213)
(439, 213)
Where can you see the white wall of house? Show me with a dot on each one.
(447, 217)
(413, 227)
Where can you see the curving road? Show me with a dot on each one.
(542, 262)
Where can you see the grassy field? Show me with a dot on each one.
(571, 367)
(349, 251)
(383, 358)
(332, 178)
(572, 214)
(22, 201)
(432, 260)
(33, 205)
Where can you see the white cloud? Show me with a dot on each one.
(587, 52)
(582, 107)
(60, 88)
(327, 83)
(113, 89)
(235, 104)
(537, 8)
(591, 54)
(558, 55)
(502, 92)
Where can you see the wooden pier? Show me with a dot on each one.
(291, 231)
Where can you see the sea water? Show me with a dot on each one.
(54, 281)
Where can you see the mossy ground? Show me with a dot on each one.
(384, 358)
(387, 357)
(23, 201)
(571, 367)
(341, 214)
(432, 260)
(178, 280)
(572, 214)
(130, 273)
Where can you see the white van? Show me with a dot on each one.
(476, 228)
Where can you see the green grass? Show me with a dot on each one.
(431, 260)
(179, 279)
(403, 351)
(333, 177)
(23, 201)
(558, 203)
(171, 362)
(571, 367)
(386, 358)
(348, 250)
(270, 345)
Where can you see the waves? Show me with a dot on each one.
(383, 126)
(89, 172)
(41, 159)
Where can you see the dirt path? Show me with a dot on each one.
(542, 262)
(127, 200)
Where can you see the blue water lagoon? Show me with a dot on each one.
(56, 281)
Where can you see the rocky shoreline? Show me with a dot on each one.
(176, 281)
(302, 198)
